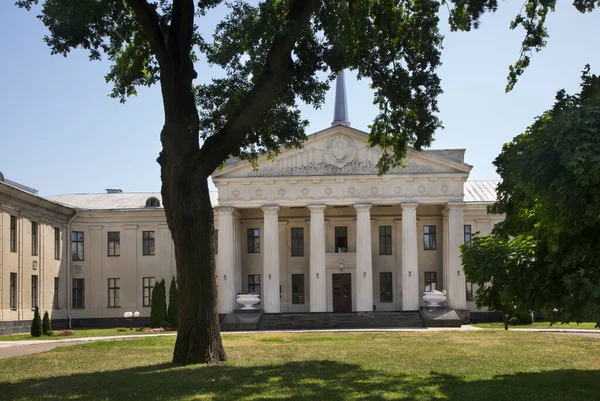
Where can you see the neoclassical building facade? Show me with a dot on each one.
(317, 230)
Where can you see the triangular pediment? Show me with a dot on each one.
(343, 151)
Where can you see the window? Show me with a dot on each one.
(469, 286)
(385, 287)
(467, 231)
(297, 288)
(114, 290)
(430, 281)
(147, 286)
(57, 243)
(34, 238)
(13, 290)
(298, 242)
(254, 283)
(114, 243)
(148, 243)
(341, 239)
(253, 240)
(77, 245)
(13, 233)
(152, 202)
(55, 302)
(34, 291)
(429, 237)
(78, 300)
(216, 240)
(385, 240)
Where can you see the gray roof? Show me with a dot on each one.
(480, 191)
(135, 200)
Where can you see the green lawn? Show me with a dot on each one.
(541, 325)
(455, 366)
(79, 333)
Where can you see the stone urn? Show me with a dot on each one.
(248, 300)
(434, 298)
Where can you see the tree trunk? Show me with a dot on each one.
(190, 217)
(505, 315)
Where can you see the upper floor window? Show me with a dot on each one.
(385, 240)
(148, 243)
(253, 240)
(152, 202)
(341, 239)
(13, 233)
(467, 231)
(57, 243)
(34, 238)
(114, 243)
(429, 238)
(77, 245)
(297, 241)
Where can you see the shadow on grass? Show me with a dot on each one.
(310, 380)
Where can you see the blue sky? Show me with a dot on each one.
(61, 133)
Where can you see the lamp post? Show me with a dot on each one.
(130, 316)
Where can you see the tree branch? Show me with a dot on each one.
(147, 16)
(277, 74)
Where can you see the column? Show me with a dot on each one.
(226, 261)
(444, 250)
(318, 279)
(364, 258)
(237, 252)
(455, 287)
(410, 258)
(270, 279)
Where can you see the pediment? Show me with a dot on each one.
(343, 151)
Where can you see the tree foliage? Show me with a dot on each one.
(36, 323)
(173, 308)
(545, 255)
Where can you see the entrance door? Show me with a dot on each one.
(342, 292)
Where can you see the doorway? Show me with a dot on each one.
(342, 292)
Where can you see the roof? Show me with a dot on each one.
(133, 200)
(480, 191)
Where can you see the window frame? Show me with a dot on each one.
(429, 238)
(340, 249)
(77, 245)
(56, 299)
(386, 287)
(428, 282)
(253, 238)
(385, 246)
(254, 284)
(469, 289)
(298, 289)
(468, 234)
(114, 292)
(78, 293)
(148, 243)
(13, 291)
(147, 287)
(297, 234)
(34, 238)
(34, 291)
(13, 233)
(115, 241)
(56, 243)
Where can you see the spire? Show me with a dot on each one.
(340, 114)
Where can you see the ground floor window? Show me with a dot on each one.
(469, 286)
(254, 283)
(13, 290)
(385, 287)
(147, 285)
(114, 293)
(78, 300)
(34, 291)
(56, 300)
(297, 288)
(430, 281)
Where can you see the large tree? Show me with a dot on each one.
(546, 254)
(273, 53)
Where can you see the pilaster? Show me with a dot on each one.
(318, 279)
(410, 258)
(364, 258)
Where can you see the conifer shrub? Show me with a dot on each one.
(158, 306)
(173, 309)
(46, 323)
(36, 324)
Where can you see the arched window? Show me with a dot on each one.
(152, 202)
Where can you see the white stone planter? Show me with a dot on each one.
(248, 300)
(434, 298)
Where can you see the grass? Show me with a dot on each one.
(82, 333)
(541, 325)
(453, 366)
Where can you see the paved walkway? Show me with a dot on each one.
(9, 349)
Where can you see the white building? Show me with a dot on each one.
(315, 231)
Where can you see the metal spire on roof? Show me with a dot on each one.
(340, 114)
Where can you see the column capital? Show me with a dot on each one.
(225, 209)
(362, 207)
(455, 205)
(317, 208)
(270, 209)
(409, 205)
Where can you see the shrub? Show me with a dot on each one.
(173, 309)
(49, 333)
(166, 325)
(158, 307)
(525, 316)
(46, 324)
(36, 324)
(122, 329)
(514, 321)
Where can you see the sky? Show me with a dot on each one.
(61, 133)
